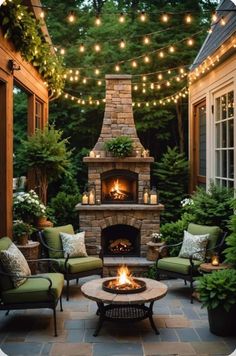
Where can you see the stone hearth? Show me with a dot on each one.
(145, 218)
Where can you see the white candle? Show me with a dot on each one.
(91, 198)
(153, 199)
(85, 199)
(92, 154)
(145, 198)
(98, 155)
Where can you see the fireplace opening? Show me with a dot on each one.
(121, 240)
(119, 186)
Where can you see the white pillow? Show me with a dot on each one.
(13, 261)
(73, 244)
(193, 243)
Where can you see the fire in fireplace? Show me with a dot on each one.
(119, 186)
(121, 240)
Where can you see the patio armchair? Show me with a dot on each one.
(187, 268)
(72, 267)
(32, 291)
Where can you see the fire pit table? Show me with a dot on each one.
(124, 307)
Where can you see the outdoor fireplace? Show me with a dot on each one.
(119, 186)
(121, 240)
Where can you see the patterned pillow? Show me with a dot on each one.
(194, 243)
(73, 244)
(14, 262)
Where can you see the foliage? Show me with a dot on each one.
(120, 146)
(21, 27)
(27, 206)
(21, 228)
(218, 289)
(62, 208)
(172, 233)
(212, 207)
(230, 251)
(46, 153)
(172, 177)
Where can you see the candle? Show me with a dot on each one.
(91, 197)
(153, 199)
(98, 155)
(85, 198)
(145, 198)
(215, 260)
(144, 153)
(92, 154)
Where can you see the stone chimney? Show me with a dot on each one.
(118, 117)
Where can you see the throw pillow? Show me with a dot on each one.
(73, 244)
(194, 243)
(14, 262)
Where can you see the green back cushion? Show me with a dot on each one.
(213, 231)
(53, 240)
(5, 282)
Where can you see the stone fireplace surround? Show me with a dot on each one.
(118, 120)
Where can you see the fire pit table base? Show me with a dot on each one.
(124, 312)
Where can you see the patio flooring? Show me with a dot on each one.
(183, 330)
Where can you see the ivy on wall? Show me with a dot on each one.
(24, 31)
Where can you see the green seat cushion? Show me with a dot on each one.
(53, 240)
(81, 264)
(176, 264)
(36, 290)
(5, 282)
(213, 231)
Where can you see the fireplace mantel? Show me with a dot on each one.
(117, 160)
(120, 207)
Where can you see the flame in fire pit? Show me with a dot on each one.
(116, 192)
(124, 283)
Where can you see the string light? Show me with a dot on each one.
(161, 54)
(42, 14)
(214, 17)
(122, 44)
(117, 68)
(62, 51)
(188, 19)
(99, 82)
(165, 17)
(171, 49)
(97, 71)
(122, 18)
(84, 81)
(71, 17)
(146, 40)
(146, 59)
(143, 16)
(98, 21)
(97, 47)
(222, 21)
(190, 42)
(81, 48)
(134, 64)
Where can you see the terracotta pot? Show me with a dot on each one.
(43, 222)
(22, 240)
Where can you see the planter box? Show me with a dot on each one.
(221, 322)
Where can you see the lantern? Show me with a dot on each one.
(92, 194)
(153, 196)
(215, 259)
(92, 154)
(145, 195)
(85, 198)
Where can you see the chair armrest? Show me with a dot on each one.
(28, 277)
(170, 245)
(45, 260)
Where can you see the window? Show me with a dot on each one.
(38, 114)
(199, 145)
(224, 139)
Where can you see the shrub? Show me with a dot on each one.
(230, 251)
(172, 178)
(62, 208)
(120, 146)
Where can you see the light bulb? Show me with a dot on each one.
(135, 87)
(171, 49)
(222, 21)
(122, 18)
(160, 76)
(146, 59)
(84, 81)
(77, 72)
(152, 86)
(214, 17)
(42, 14)
(146, 40)
(144, 90)
(190, 42)
(161, 54)
(122, 44)
(134, 64)
(97, 47)
(188, 18)
(97, 71)
(81, 48)
(97, 21)
(117, 68)
(165, 18)
(143, 16)
(62, 51)
(99, 82)
(144, 78)
(71, 17)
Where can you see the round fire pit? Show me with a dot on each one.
(112, 286)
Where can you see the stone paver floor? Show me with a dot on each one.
(183, 330)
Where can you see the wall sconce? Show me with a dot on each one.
(153, 196)
(92, 194)
(215, 261)
(12, 65)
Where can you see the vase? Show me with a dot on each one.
(221, 322)
(42, 222)
(22, 240)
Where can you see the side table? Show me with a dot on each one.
(31, 252)
(153, 252)
(208, 268)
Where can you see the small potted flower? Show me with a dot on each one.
(28, 207)
(156, 237)
(21, 231)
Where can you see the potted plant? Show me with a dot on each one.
(27, 206)
(21, 231)
(217, 292)
(46, 154)
(121, 146)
